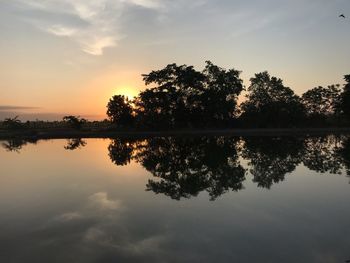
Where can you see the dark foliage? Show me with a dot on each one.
(182, 97)
(270, 104)
(74, 122)
(119, 110)
(322, 101)
(322, 105)
(185, 97)
(12, 123)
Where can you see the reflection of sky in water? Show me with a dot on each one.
(77, 206)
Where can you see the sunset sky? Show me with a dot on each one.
(70, 57)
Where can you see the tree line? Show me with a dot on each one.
(183, 97)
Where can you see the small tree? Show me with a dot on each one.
(119, 110)
(74, 122)
(12, 123)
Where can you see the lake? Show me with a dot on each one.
(176, 199)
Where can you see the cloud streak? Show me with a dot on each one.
(14, 108)
(100, 20)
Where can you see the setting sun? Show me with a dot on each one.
(129, 92)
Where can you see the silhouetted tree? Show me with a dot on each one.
(74, 122)
(73, 144)
(119, 110)
(345, 98)
(321, 101)
(271, 104)
(219, 99)
(185, 97)
(322, 105)
(12, 123)
(270, 159)
(169, 104)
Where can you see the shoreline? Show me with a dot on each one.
(69, 133)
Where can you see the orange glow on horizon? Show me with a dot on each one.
(127, 91)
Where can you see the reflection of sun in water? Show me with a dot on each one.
(130, 93)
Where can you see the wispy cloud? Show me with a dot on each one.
(99, 26)
(15, 108)
(60, 30)
(100, 200)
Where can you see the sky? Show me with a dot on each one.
(69, 57)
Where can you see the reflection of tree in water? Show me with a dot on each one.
(186, 167)
(344, 153)
(16, 145)
(270, 159)
(321, 154)
(121, 151)
(73, 144)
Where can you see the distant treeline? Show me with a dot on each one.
(182, 97)
(68, 122)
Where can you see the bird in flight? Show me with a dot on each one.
(342, 16)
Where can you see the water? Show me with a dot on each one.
(257, 199)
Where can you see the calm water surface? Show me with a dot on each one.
(176, 200)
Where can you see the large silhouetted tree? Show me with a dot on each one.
(167, 103)
(321, 101)
(119, 110)
(219, 99)
(185, 97)
(322, 105)
(270, 104)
